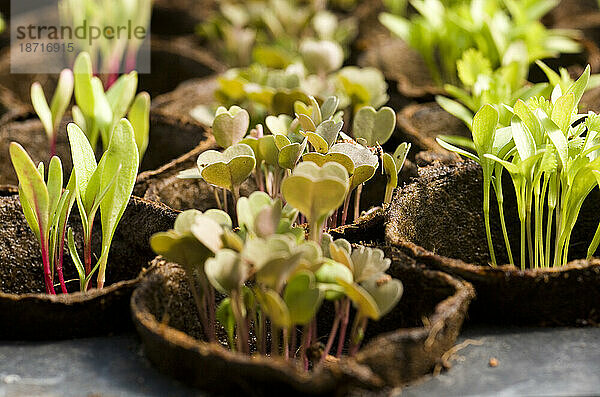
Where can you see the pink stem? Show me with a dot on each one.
(333, 332)
(59, 265)
(345, 319)
(53, 146)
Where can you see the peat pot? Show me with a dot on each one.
(404, 346)
(28, 313)
(438, 220)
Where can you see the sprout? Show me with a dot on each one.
(105, 186)
(442, 40)
(552, 166)
(274, 280)
(230, 126)
(51, 116)
(98, 112)
(46, 208)
(316, 192)
(109, 54)
(375, 127)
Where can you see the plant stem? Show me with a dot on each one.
(46, 266)
(200, 305)
(286, 344)
(486, 215)
(357, 201)
(242, 328)
(333, 332)
(305, 344)
(548, 236)
(217, 198)
(236, 197)
(358, 333)
(53, 145)
(344, 325)
(345, 209)
(225, 202)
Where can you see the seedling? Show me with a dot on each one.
(105, 186)
(98, 112)
(46, 208)
(113, 50)
(271, 32)
(51, 116)
(314, 135)
(553, 167)
(273, 279)
(501, 31)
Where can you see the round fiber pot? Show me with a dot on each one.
(31, 135)
(172, 62)
(400, 64)
(438, 220)
(399, 348)
(28, 313)
(422, 123)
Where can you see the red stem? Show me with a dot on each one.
(53, 146)
(59, 265)
(46, 264)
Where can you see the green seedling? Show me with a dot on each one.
(392, 165)
(98, 112)
(46, 208)
(105, 186)
(112, 51)
(316, 192)
(552, 162)
(195, 238)
(51, 116)
(230, 126)
(227, 169)
(502, 31)
(274, 280)
(271, 32)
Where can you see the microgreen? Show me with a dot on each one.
(314, 135)
(503, 31)
(553, 164)
(105, 186)
(114, 53)
(46, 208)
(272, 32)
(98, 112)
(51, 116)
(272, 280)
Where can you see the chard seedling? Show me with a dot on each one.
(110, 52)
(105, 186)
(46, 208)
(98, 112)
(51, 116)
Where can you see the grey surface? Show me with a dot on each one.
(531, 362)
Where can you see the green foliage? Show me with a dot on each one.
(46, 208)
(105, 186)
(51, 116)
(502, 31)
(270, 273)
(552, 163)
(315, 135)
(97, 112)
(273, 32)
(109, 54)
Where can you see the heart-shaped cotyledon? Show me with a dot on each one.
(230, 126)
(229, 168)
(375, 127)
